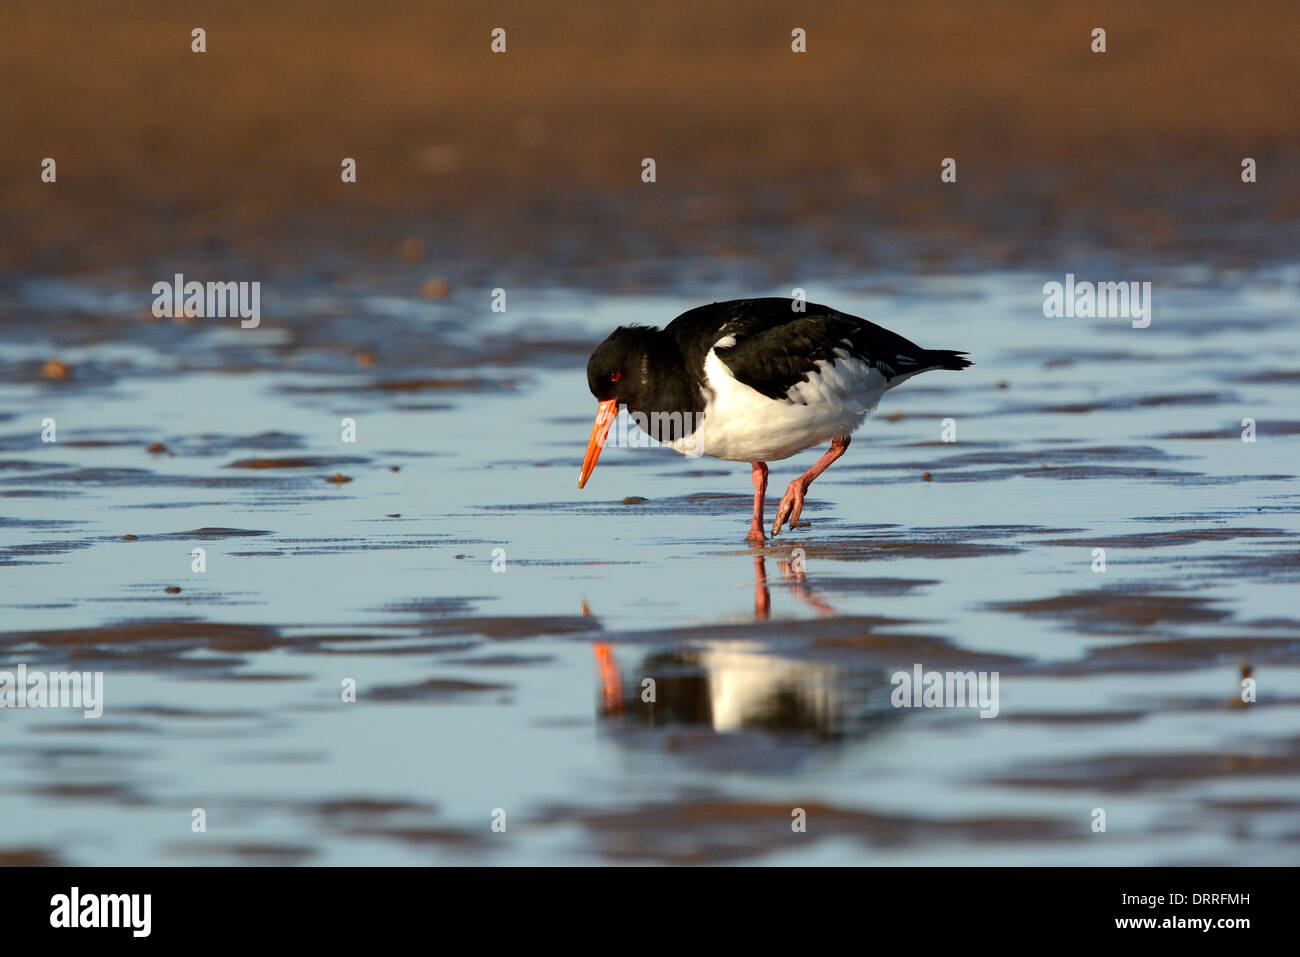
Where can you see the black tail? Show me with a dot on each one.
(944, 359)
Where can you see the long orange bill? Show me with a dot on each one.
(606, 412)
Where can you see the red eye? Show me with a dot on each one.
(615, 376)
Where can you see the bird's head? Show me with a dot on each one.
(617, 374)
(618, 368)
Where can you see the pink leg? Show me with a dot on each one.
(792, 502)
(760, 489)
(762, 597)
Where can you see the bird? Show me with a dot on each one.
(753, 380)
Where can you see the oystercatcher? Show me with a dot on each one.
(753, 380)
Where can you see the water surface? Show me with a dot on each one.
(499, 623)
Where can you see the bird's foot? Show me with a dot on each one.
(756, 533)
(790, 507)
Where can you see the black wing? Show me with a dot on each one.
(776, 346)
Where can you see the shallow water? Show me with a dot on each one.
(499, 623)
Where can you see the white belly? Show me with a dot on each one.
(741, 424)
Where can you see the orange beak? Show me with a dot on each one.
(605, 415)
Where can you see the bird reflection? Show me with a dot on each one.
(711, 697)
(792, 570)
(729, 687)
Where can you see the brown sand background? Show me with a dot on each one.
(527, 165)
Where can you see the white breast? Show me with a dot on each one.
(741, 424)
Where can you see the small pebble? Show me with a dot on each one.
(338, 478)
(436, 288)
(54, 369)
(156, 447)
(365, 359)
(394, 515)
(634, 500)
(394, 468)
(172, 590)
(926, 476)
(130, 538)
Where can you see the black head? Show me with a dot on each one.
(620, 367)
